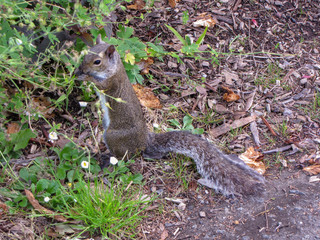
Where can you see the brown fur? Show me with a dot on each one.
(126, 129)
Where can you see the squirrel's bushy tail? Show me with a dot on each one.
(226, 174)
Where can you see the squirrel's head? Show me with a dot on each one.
(99, 65)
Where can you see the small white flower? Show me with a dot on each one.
(83, 104)
(155, 125)
(75, 200)
(18, 41)
(84, 164)
(84, 52)
(53, 136)
(46, 199)
(113, 161)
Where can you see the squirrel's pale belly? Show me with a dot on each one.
(105, 109)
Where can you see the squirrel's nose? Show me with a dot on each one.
(79, 74)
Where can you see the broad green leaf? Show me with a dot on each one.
(42, 185)
(187, 121)
(24, 174)
(198, 131)
(124, 32)
(71, 175)
(24, 202)
(61, 173)
(52, 187)
(22, 138)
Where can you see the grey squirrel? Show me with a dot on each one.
(125, 128)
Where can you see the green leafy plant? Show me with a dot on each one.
(132, 50)
(71, 160)
(30, 33)
(11, 146)
(122, 170)
(186, 125)
(112, 210)
(188, 47)
(185, 17)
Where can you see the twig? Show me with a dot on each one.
(266, 216)
(172, 74)
(281, 149)
(211, 88)
(268, 125)
(41, 141)
(228, 127)
(255, 133)
(236, 5)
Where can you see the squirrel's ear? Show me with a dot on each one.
(99, 40)
(110, 50)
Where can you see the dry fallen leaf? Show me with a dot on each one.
(164, 234)
(192, 185)
(146, 97)
(13, 127)
(230, 77)
(42, 104)
(172, 3)
(201, 90)
(252, 159)
(230, 96)
(204, 20)
(144, 65)
(138, 5)
(314, 169)
(42, 209)
(4, 208)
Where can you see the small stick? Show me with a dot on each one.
(268, 125)
(42, 209)
(281, 149)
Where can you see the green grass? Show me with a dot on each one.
(115, 211)
(313, 109)
(270, 76)
(181, 165)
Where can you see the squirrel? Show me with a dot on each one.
(126, 130)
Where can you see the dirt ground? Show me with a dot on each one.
(290, 209)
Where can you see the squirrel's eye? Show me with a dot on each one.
(97, 62)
